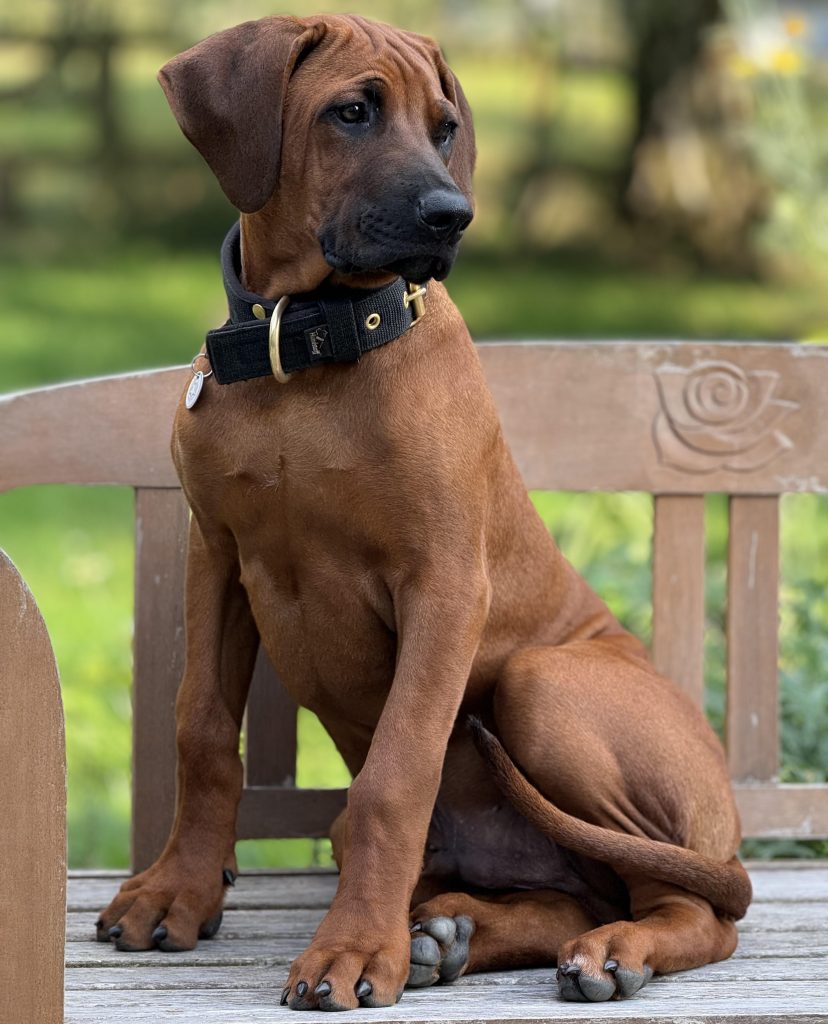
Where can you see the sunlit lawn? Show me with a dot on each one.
(78, 313)
(74, 546)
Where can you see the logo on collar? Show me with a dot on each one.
(318, 340)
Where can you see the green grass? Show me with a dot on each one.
(78, 300)
(149, 308)
(145, 307)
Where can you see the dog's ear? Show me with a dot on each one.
(227, 94)
(464, 150)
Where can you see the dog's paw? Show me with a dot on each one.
(339, 971)
(163, 908)
(600, 965)
(439, 949)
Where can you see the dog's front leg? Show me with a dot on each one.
(179, 898)
(360, 953)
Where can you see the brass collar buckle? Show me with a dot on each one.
(415, 296)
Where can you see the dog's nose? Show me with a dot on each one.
(444, 212)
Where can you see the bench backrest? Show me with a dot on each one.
(675, 419)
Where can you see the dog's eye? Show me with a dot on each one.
(445, 133)
(353, 113)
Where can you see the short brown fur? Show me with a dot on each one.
(368, 522)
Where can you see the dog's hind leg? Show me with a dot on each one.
(606, 741)
(179, 898)
(457, 933)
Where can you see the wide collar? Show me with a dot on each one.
(332, 326)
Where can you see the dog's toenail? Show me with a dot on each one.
(99, 923)
(322, 989)
(416, 927)
(285, 994)
(611, 966)
(228, 876)
(301, 989)
(570, 969)
(364, 988)
(159, 934)
(116, 931)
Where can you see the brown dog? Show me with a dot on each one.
(367, 520)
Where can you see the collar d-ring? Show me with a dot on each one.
(273, 341)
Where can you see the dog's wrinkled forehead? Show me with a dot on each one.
(349, 48)
(229, 92)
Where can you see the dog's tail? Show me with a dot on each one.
(725, 885)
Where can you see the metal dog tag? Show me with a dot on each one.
(194, 390)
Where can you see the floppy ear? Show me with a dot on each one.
(227, 94)
(464, 150)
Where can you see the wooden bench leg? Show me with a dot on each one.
(32, 812)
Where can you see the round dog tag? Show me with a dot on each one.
(194, 390)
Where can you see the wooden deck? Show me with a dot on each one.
(779, 972)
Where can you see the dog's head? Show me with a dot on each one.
(358, 134)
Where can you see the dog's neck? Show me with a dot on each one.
(280, 258)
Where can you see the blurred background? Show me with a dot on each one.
(646, 169)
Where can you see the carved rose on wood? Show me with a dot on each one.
(714, 415)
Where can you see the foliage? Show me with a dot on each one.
(107, 263)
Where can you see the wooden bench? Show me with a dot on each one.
(32, 812)
(675, 419)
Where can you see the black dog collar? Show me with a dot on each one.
(336, 326)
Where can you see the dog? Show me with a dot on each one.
(527, 790)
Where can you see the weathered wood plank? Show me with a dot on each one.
(776, 881)
(784, 812)
(270, 729)
(268, 977)
(32, 811)
(752, 723)
(306, 890)
(532, 1000)
(233, 947)
(663, 417)
(281, 949)
(161, 526)
(579, 416)
(678, 591)
(265, 812)
(114, 430)
(250, 925)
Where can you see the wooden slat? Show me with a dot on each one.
(752, 726)
(228, 953)
(254, 925)
(757, 970)
(32, 812)
(288, 813)
(270, 729)
(678, 591)
(778, 973)
(784, 812)
(582, 416)
(519, 999)
(668, 418)
(161, 522)
(114, 430)
(776, 881)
